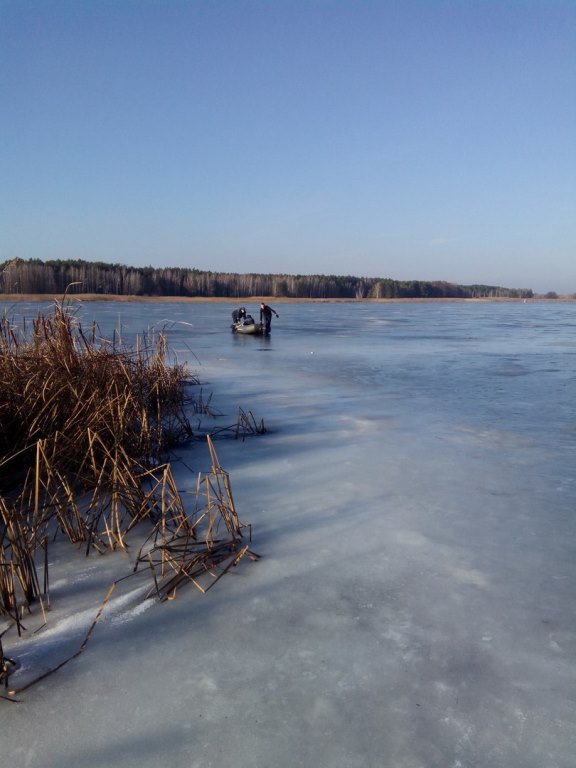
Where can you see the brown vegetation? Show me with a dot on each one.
(85, 430)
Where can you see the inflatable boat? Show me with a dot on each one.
(248, 326)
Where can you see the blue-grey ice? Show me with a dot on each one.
(414, 505)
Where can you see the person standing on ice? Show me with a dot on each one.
(266, 313)
(238, 314)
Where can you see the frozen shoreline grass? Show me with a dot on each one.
(86, 427)
(60, 384)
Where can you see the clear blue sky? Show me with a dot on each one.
(414, 139)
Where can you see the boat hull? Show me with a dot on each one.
(250, 329)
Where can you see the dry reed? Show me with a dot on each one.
(85, 430)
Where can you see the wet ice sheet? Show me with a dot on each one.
(413, 503)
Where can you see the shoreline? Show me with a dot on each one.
(20, 297)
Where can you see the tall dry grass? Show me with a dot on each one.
(86, 425)
(57, 383)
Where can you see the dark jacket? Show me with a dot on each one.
(266, 312)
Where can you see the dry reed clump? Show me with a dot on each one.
(56, 381)
(85, 427)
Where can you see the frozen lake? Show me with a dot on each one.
(414, 506)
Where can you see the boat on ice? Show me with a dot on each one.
(248, 326)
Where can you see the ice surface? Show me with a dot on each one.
(414, 506)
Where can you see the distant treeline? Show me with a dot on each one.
(77, 276)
